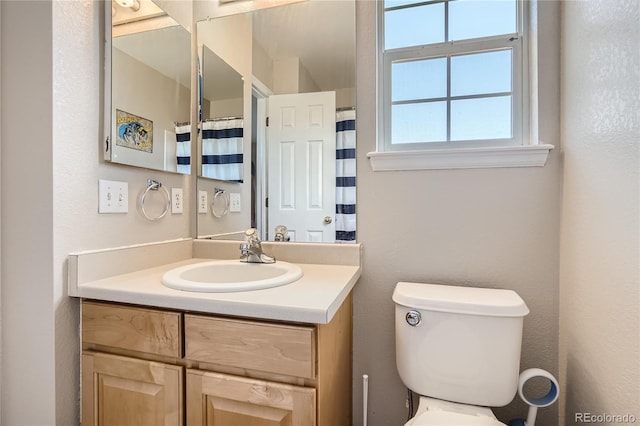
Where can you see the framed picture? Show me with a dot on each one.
(134, 132)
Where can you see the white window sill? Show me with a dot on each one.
(461, 158)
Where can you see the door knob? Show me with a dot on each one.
(327, 220)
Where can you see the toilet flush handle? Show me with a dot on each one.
(413, 318)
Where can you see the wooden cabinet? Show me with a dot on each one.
(143, 366)
(215, 399)
(122, 391)
(275, 348)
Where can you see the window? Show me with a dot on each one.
(452, 75)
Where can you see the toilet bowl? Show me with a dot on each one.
(459, 349)
(435, 412)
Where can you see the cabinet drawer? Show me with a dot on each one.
(137, 329)
(274, 348)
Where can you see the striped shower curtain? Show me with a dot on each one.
(346, 176)
(183, 148)
(222, 149)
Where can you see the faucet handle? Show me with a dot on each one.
(251, 236)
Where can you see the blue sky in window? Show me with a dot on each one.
(475, 74)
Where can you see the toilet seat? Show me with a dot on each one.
(434, 412)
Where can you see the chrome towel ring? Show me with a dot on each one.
(221, 203)
(154, 185)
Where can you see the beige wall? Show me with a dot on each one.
(51, 138)
(599, 280)
(493, 228)
(157, 98)
(27, 227)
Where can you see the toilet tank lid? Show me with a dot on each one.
(461, 300)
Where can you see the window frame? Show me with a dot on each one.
(471, 153)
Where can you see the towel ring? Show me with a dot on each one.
(154, 185)
(223, 196)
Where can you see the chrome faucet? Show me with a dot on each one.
(251, 249)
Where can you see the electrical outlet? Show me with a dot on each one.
(177, 202)
(202, 201)
(234, 202)
(113, 196)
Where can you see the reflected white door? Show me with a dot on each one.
(302, 165)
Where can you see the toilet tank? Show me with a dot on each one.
(459, 344)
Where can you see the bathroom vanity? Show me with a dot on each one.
(156, 355)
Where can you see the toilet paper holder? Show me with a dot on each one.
(535, 403)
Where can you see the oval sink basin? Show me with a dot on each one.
(231, 275)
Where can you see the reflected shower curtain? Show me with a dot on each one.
(183, 148)
(222, 141)
(346, 176)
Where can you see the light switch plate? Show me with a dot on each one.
(113, 196)
(234, 202)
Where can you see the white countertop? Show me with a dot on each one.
(314, 298)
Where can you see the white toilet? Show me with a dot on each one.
(459, 349)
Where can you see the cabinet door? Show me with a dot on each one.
(122, 391)
(215, 399)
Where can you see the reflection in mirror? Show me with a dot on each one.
(150, 94)
(301, 71)
(223, 126)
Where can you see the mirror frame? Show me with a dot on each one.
(108, 129)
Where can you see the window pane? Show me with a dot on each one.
(423, 122)
(423, 79)
(476, 18)
(481, 118)
(481, 73)
(414, 26)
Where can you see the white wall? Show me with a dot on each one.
(51, 138)
(599, 280)
(492, 227)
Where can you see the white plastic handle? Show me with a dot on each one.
(365, 398)
(549, 398)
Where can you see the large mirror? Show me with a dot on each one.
(149, 98)
(297, 62)
(222, 108)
